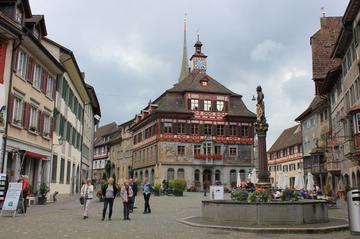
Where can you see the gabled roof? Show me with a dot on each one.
(102, 131)
(192, 84)
(315, 104)
(289, 137)
(37, 19)
(322, 45)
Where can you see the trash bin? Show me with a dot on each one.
(353, 198)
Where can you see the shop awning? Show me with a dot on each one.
(35, 155)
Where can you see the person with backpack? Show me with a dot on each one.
(109, 192)
(147, 189)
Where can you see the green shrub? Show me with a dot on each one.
(157, 187)
(239, 195)
(178, 185)
(262, 196)
(290, 195)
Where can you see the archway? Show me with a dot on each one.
(170, 174)
(233, 178)
(207, 176)
(346, 180)
(197, 179)
(358, 178)
(353, 180)
(218, 175)
(242, 175)
(141, 176)
(181, 173)
(152, 176)
(146, 173)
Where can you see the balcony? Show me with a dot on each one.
(316, 169)
(333, 166)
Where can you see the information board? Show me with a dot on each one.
(12, 197)
(217, 192)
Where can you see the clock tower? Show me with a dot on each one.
(198, 58)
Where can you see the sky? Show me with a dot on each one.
(131, 50)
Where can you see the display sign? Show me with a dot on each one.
(12, 197)
(217, 192)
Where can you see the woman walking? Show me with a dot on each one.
(87, 192)
(147, 189)
(126, 194)
(109, 192)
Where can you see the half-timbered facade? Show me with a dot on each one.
(198, 130)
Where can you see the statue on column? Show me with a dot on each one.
(260, 106)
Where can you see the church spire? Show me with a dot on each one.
(184, 72)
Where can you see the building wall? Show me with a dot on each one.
(88, 138)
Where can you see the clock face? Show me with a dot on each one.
(200, 64)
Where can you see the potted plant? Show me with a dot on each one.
(178, 186)
(157, 188)
(44, 189)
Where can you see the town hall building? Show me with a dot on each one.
(198, 130)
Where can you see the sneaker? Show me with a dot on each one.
(109, 219)
(144, 212)
(128, 219)
(84, 217)
(102, 219)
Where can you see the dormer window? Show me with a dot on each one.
(18, 15)
(36, 33)
(204, 83)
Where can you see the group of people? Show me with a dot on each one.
(109, 191)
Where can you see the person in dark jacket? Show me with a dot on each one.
(109, 192)
(134, 188)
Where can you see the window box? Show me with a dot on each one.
(200, 156)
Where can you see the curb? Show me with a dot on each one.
(310, 230)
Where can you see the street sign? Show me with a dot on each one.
(12, 198)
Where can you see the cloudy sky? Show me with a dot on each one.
(131, 50)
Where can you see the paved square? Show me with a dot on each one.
(63, 219)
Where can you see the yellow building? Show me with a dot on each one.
(285, 155)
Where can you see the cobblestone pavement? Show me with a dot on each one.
(63, 219)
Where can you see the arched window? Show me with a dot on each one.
(358, 179)
(146, 173)
(141, 175)
(233, 177)
(152, 176)
(197, 175)
(181, 173)
(217, 175)
(136, 174)
(170, 174)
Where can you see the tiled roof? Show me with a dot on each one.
(322, 45)
(315, 103)
(289, 137)
(103, 131)
(192, 84)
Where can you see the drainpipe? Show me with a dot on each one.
(15, 46)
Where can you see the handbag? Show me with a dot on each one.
(82, 200)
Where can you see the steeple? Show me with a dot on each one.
(184, 72)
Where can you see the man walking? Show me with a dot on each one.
(147, 189)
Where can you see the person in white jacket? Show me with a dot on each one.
(126, 193)
(87, 191)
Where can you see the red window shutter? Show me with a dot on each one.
(51, 127)
(10, 108)
(24, 116)
(30, 70)
(44, 81)
(15, 63)
(3, 47)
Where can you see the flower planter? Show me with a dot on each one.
(178, 194)
(42, 200)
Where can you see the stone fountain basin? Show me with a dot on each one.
(269, 213)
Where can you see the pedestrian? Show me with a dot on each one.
(147, 189)
(109, 192)
(134, 188)
(25, 191)
(205, 187)
(87, 192)
(126, 194)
